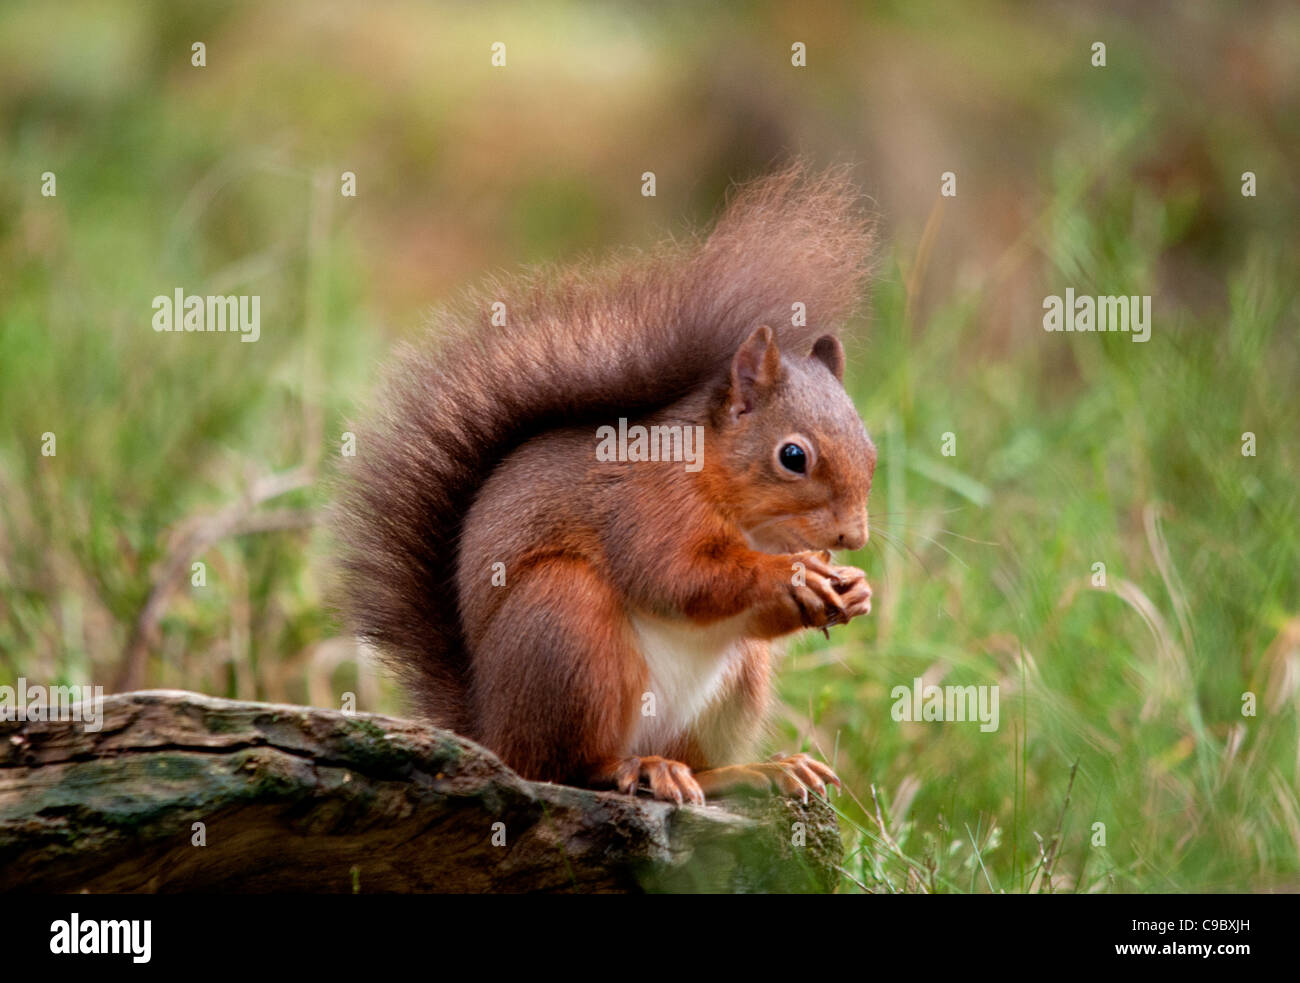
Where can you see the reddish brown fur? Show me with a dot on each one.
(465, 465)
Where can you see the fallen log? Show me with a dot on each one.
(181, 792)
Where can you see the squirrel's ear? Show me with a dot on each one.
(754, 370)
(830, 352)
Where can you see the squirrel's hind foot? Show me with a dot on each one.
(669, 780)
(790, 774)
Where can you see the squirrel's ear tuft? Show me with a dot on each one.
(754, 370)
(830, 352)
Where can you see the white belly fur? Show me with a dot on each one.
(687, 666)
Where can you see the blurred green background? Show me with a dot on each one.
(1071, 450)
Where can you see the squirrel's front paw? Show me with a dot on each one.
(854, 592)
(669, 780)
(829, 595)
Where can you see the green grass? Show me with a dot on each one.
(1119, 705)
(1113, 452)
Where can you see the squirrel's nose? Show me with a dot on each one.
(854, 537)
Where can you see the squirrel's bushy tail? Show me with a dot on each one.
(629, 336)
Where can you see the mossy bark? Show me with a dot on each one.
(303, 799)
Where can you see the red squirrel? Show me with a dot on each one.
(608, 623)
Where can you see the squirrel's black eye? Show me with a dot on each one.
(793, 458)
